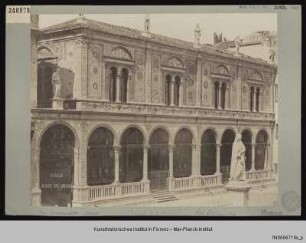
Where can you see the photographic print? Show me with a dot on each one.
(154, 110)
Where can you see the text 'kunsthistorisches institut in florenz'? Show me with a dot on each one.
(120, 114)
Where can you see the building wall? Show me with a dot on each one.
(89, 59)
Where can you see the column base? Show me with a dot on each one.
(36, 197)
(239, 193)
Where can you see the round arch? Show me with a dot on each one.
(260, 149)
(144, 133)
(215, 131)
(56, 162)
(208, 152)
(131, 159)
(100, 157)
(116, 139)
(247, 141)
(182, 154)
(227, 140)
(60, 122)
(158, 159)
(164, 128)
(189, 129)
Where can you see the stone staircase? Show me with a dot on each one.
(163, 195)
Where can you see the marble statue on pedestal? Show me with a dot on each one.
(237, 172)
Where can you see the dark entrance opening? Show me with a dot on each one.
(56, 166)
(131, 160)
(44, 85)
(247, 141)
(226, 154)
(208, 153)
(182, 154)
(158, 163)
(260, 150)
(100, 157)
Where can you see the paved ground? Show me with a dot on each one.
(257, 197)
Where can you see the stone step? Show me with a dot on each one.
(163, 196)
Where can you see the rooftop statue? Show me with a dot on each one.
(238, 42)
(197, 33)
(147, 24)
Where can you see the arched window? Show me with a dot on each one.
(56, 166)
(182, 154)
(226, 154)
(177, 83)
(252, 98)
(247, 141)
(123, 85)
(260, 150)
(223, 95)
(100, 157)
(257, 99)
(216, 95)
(168, 90)
(208, 153)
(113, 84)
(158, 161)
(131, 161)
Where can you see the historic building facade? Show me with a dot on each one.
(119, 113)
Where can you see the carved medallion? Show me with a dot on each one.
(205, 72)
(190, 83)
(95, 85)
(95, 70)
(95, 54)
(156, 64)
(205, 97)
(139, 76)
(205, 85)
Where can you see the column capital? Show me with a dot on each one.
(116, 148)
(194, 146)
(253, 144)
(145, 146)
(171, 147)
(218, 145)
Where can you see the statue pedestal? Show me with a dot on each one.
(146, 34)
(58, 103)
(196, 46)
(238, 192)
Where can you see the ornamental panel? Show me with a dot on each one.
(94, 71)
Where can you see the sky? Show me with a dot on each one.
(181, 26)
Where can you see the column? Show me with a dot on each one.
(170, 178)
(218, 171)
(116, 153)
(145, 163)
(253, 156)
(219, 96)
(254, 100)
(172, 91)
(267, 162)
(194, 167)
(181, 94)
(77, 190)
(35, 173)
(118, 87)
